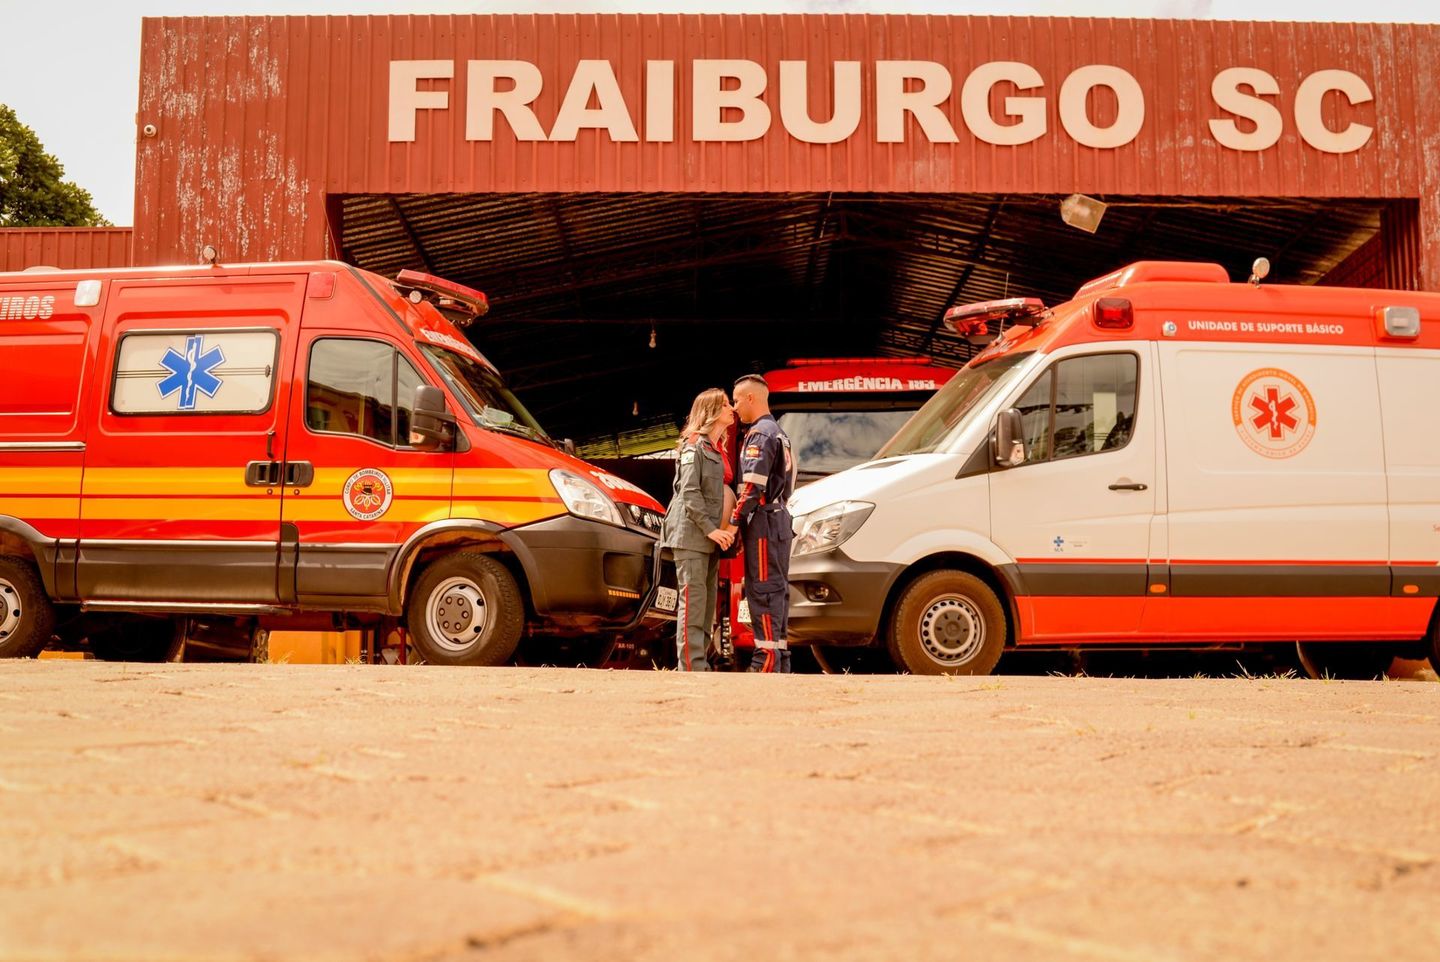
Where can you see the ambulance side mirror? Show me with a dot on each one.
(1009, 439)
(432, 428)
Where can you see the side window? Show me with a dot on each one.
(1080, 406)
(194, 372)
(360, 387)
(1094, 403)
(407, 379)
(1034, 407)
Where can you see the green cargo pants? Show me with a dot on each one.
(695, 576)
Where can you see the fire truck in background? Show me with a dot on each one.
(837, 412)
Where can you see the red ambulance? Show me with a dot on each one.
(1168, 458)
(837, 412)
(297, 445)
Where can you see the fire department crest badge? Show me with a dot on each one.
(367, 494)
(1274, 413)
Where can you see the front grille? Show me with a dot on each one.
(643, 518)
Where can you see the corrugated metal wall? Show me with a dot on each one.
(258, 119)
(64, 247)
(1390, 259)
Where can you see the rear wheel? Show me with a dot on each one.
(27, 618)
(947, 623)
(1354, 661)
(466, 610)
(1433, 643)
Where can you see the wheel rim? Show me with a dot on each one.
(456, 614)
(11, 613)
(952, 630)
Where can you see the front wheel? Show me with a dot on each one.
(1353, 661)
(947, 623)
(26, 616)
(466, 610)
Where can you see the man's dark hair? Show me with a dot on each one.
(752, 377)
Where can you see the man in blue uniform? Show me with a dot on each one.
(767, 479)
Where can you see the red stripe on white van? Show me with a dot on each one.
(1125, 620)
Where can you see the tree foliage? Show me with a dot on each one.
(33, 192)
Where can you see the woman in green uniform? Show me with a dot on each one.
(693, 523)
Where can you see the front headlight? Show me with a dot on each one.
(829, 527)
(583, 499)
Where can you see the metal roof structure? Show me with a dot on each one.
(736, 282)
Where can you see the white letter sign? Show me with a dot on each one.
(406, 99)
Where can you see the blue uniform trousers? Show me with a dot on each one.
(767, 539)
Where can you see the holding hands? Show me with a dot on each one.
(724, 537)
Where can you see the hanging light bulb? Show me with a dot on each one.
(652, 335)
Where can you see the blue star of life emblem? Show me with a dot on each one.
(191, 372)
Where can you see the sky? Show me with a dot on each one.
(71, 71)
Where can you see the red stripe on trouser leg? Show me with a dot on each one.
(685, 631)
(770, 660)
(769, 632)
(764, 547)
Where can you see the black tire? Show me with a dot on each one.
(27, 618)
(947, 623)
(137, 638)
(837, 660)
(587, 651)
(1432, 643)
(465, 610)
(1350, 661)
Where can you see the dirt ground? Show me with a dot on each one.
(348, 812)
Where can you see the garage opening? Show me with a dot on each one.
(610, 311)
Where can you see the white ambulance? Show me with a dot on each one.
(1168, 459)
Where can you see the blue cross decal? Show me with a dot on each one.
(1059, 543)
(190, 372)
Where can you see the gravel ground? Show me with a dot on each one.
(349, 812)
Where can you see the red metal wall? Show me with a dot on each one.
(259, 119)
(1390, 259)
(64, 247)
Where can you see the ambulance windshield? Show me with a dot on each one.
(943, 417)
(487, 400)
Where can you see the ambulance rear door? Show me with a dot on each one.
(180, 501)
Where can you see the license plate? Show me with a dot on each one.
(742, 612)
(667, 600)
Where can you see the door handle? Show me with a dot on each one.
(1127, 486)
(262, 474)
(299, 474)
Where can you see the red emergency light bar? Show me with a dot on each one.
(970, 320)
(452, 295)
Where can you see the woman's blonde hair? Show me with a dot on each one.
(708, 407)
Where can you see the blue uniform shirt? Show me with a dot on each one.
(767, 469)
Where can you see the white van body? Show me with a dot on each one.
(1220, 464)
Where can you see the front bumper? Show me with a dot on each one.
(856, 590)
(585, 572)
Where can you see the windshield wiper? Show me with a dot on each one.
(515, 428)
